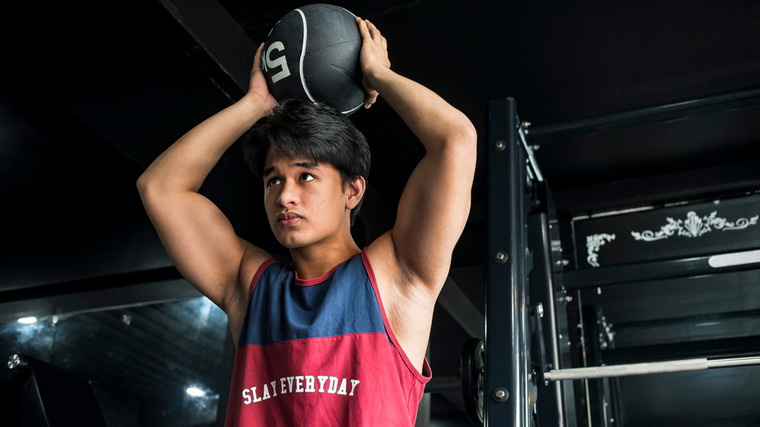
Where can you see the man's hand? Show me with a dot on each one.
(258, 84)
(373, 58)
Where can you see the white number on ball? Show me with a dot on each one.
(279, 62)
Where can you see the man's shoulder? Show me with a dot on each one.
(253, 259)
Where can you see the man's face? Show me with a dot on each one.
(304, 201)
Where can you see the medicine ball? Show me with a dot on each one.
(313, 54)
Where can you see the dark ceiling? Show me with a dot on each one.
(92, 92)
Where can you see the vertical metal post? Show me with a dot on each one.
(565, 357)
(507, 361)
(550, 403)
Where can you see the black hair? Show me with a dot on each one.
(312, 130)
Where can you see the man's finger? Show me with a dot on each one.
(374, 31)
(363, 29)
(370, 99)
(257, 59)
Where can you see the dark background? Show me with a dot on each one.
(92, 92)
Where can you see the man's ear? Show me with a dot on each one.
(355, 191)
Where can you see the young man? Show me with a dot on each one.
(339, 337)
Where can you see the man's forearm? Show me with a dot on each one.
(433, 120)
(186, 163)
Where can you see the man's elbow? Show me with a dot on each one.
(464, 142)
(148, 188)
(469, 136)
(462, 132)
(143, 183)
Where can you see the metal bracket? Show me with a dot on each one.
(522, 129)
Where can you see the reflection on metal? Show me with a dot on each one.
(606, 334)
(739, 258)
(732, 363)
(165, 349)
(195, 392)
(521, 131)
(15, 361)
(694, 226)
(551, 408)
(98, 299)
(617, 212)
(648, 368)
(582, 330)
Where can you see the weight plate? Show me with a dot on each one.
(473, 379)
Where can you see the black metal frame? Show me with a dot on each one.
(717, 103)
(645, 271)
(555, 400)
(524, 309)
(35, 393)
(520, 218)
(506, 365)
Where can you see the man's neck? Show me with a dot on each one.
(315, 260)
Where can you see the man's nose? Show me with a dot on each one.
(288, 194)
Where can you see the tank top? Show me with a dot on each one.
(321, 352)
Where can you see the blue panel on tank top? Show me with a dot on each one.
(344, 303)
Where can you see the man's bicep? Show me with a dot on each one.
(201, 242)
(433, 211)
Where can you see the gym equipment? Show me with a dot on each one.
(469, 381)
(473, 375)
(528, 346)
(648, 368)
(507, 350)
(36, 394)
(522, 375)
(312, 53)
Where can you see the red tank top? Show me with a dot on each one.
(321, 352)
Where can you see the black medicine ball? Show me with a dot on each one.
(313, 54)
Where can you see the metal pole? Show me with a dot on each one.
(661, 269)
(506, 349)
(722, 102)
(648, 368)
(554, 341)
(731, 363)
(550, 404)
(444, 383)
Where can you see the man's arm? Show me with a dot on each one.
(412, 260)
(435, 204)
(198, 237)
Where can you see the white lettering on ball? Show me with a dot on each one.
(278, 62)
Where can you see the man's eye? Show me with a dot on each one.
(306, 177)
(273, 181)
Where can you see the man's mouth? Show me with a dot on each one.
(288, 218)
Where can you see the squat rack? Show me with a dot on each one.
(526, 357)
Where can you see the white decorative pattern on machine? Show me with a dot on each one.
(694, 226)
(593, 243)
